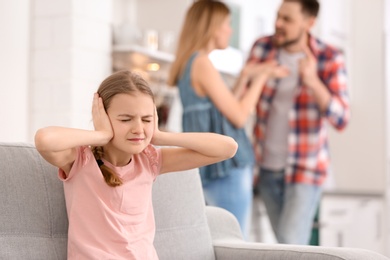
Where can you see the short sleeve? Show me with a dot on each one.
(155, 159)
(82, 156)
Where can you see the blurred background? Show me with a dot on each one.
(54, 54)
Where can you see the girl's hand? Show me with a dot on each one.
(101, 121)
(156, 131)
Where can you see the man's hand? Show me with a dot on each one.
(309, 76)
(308, 68)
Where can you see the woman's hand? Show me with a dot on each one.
(278, 72)
(253, 69)
(258, 72)
(101, 121)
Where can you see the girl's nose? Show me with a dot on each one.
(136, 128)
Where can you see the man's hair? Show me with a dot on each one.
(309, 7)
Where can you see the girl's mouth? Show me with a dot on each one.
(135, 139)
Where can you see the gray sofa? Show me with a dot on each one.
(33, 222)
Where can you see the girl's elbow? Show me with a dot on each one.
(40, 139)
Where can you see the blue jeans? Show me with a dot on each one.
(233, 193)
(290, 207)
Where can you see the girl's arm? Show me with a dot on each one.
(58, 144)
(193, 150)
(209, 82)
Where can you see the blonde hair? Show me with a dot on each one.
(119, 82)
(201, 21)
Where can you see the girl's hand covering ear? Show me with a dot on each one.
(101, 121)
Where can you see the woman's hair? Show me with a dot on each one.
(121, 82)
(201, 21)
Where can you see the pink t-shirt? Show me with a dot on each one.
(107, 222)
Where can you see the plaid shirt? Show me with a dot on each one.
(308, 153)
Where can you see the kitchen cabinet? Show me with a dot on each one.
(353, 221)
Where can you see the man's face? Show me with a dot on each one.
(291, 25)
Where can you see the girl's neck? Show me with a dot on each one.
(117, 158)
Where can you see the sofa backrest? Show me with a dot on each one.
(33, 221)
(182, 231)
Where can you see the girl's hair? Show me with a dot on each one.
(121, 82)
(201, 21)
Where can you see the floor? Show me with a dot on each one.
(261, 230)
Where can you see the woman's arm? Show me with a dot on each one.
(58, 144)
(193, 150)
(243, 79)
(206, 78)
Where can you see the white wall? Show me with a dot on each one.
(258, 17)
(359, 153)
(14, 69)
(54, 55)
(167, 15)
(71, 55)
(386, 11)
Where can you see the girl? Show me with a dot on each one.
(108, 173)
(210, 106)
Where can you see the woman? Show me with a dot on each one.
(210, 106)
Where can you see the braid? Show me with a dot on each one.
(110, 176)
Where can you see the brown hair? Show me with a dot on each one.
(119, 82)
(310, 7)
(201, 21)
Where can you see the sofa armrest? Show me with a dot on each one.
(255, 251)
(229, 244)
(223, 224)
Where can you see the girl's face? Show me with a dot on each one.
(132, 120)
(223, 33)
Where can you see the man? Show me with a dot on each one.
(290, 130)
